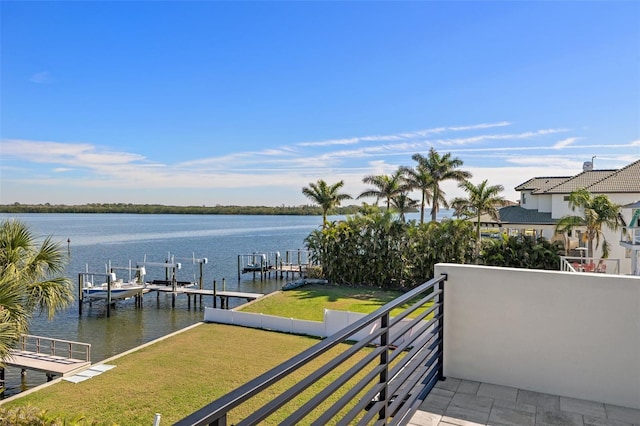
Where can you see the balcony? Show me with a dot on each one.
(537, 347)
(631, 239)
(517, 346)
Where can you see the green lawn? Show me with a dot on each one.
(184, 372)
(309, 302)
(177, 376)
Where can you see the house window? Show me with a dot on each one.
(524, 198)
(565, 198)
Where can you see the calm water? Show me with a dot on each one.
(97, 239)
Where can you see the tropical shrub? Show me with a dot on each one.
(522, 252)
(449, 241)
(374, 249)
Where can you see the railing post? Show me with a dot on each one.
(384, 361)
(440, 302)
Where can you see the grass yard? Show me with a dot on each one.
(177, 376)
(185, 372)
(309, 302)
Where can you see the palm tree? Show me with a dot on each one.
(481, 199)
(386, 186)
(419, 178)
(326, 196)
(597, 212)
(440, 168)
(403, 204)
(30, 280)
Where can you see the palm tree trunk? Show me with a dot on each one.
(477, 249)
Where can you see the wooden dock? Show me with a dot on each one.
(294, 262)
(54, 357)
(224, 296)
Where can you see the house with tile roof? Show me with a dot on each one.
(544, 200)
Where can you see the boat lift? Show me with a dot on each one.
(82, 276)
(171, 266)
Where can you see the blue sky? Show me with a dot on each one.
(205, 103)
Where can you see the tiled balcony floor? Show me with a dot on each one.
(466, 403)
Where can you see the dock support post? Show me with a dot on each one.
(108, 296)
(80, 286)
(214, 295)
(239, 267)
(174, 283)
(201, 286)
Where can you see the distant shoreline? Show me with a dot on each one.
(122, 208)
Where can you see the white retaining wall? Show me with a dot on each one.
(334, 321)
(568, 334)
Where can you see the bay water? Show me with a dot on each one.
(94, 240)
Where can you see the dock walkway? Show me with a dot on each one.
(190, 291)
(55, 357)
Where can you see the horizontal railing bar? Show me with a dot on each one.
(416, 320)
(362, 404)
(424, 330)
(217, 409)
(403, 378)
(421, 358)
(336, 384)
(367, 381)
(50, 339)
(286, 396)
(324, 418)
(417, 343)
(410, 408)
(372, 412)
(408, 311)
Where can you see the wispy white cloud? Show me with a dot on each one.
(404, 135)
(80, 155)
(499, 136)
(40, 77)
(506, 158)
(546, 161)
(565, 142)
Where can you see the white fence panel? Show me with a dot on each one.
(310, 328)
(248, 319)
(222, 316)
(271, 322)
(334, 321)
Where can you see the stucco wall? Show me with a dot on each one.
(575, 335)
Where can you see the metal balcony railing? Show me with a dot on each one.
(394, 376)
